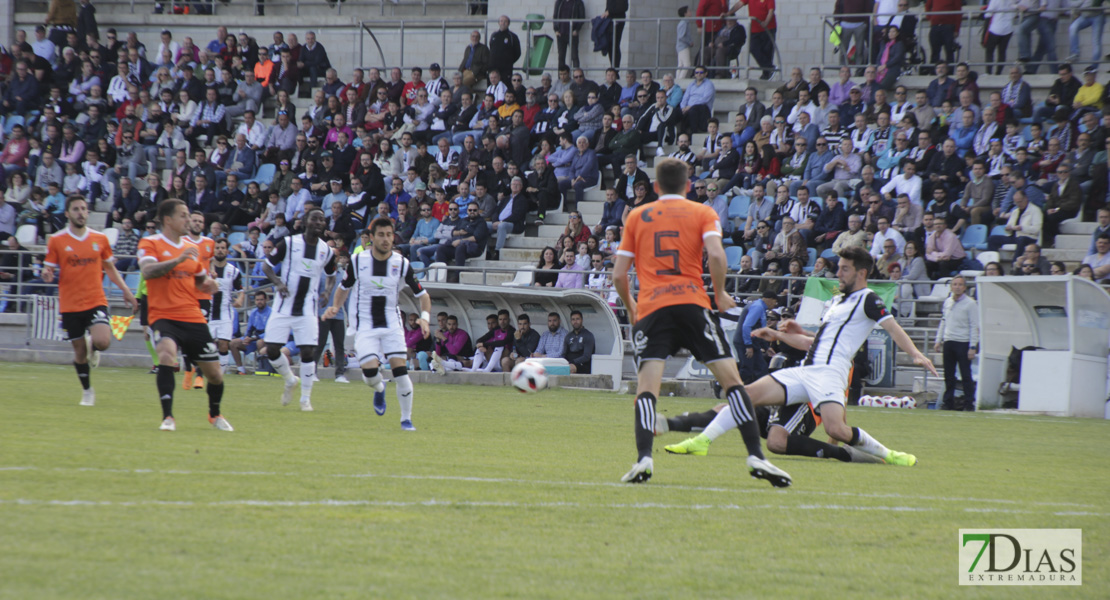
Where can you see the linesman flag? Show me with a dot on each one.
(119, 325)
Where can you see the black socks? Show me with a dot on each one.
(83, 374)
(165, 389)
(741, 406)
(645, 424)
(215, 394)
(801, 445)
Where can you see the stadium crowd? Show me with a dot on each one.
(916, 176)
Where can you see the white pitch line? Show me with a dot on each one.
(599, 484)
(438, 503)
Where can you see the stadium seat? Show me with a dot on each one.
(734, 254)
(987, 257)
(113, 235)
(10, 122)
(242, 228)
(27, 235)
(975, 237)
(523, 278)
(999, 230)
(738, 207)
(417, 268)
(808, 267)
(235, 238)
(132, 280)
(264, 176)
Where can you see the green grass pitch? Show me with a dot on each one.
(502, 495)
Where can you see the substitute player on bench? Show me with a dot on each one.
(82, 257)
(665, 239)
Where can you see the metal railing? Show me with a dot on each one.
(972, 26)
(336, 5)
(403, 28)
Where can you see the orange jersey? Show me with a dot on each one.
(174, 295)
(207, 248)
(80, 265)
(665, 239)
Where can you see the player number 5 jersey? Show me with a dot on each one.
(303, 266)
(376, 284)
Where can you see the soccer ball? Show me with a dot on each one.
(529, 376)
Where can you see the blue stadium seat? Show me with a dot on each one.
(10, 122)
(264, 175)
(738, 207)
(734, 254)
(242, 228)
(416, 266)
(132, 280)
(999, 230)
(975, 237)
(235, 238)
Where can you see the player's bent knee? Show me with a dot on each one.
(400, 371)
(368, 373)
(776, 440)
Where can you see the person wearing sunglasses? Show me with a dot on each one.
(697, 102)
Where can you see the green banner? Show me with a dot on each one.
(823, 289)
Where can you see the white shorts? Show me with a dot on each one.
(222, 329)
(305, 330)
(380, 343)
(814, 384)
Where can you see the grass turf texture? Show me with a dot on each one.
(501, 494)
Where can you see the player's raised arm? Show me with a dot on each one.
(904, 342)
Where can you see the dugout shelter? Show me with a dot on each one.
(1068, 318)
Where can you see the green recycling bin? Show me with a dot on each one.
(537, 54)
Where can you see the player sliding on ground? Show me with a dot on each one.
(174, 275)
(377, 277)
(665, 240)
(823, 376)
(82, 257)
(304, 258)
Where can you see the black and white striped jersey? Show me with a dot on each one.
(376, 284)
(845, 327)
(301, 272)
(230, 280)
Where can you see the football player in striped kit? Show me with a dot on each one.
(377, 277)
(307, 257)
(221, 322)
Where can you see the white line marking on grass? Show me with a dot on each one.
(439, 503)
(596, 484)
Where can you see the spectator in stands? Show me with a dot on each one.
(241, 161)
(504, 48)
(815, 173)
(256, 330)
(313, 60)
(578, 347)
(1064, 201)
(854, 236)
(1102, 228)
(1099, 260)
(829, 223)
(842, 168)
(126, 246)
(697, 102)
(475, 60)
(943, 251)
(1023, 226)
(509, 215)
(468, 240)
(542, 188)
(22, 93)
(612, 211)
(570, 275)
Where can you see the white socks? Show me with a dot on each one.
(720, 424)
(451, 365)
(404, 396)
(494, 363)
(308, 377)
(225, 360)
(477, 362)
(281, 365)
(375, 381)
(870, 445)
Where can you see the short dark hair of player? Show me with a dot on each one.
(670, 176)
(452, 318)
(378, 223)
(579, 313)
(524, 317)
(74, 198)
(261, 293)
(553, 314)
(859, 258)
(222, 241)
(166, 208)
(312, 210)
(504, 312)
